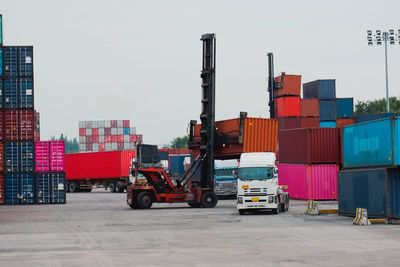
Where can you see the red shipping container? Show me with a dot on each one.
(2, 189)
(120, 146)
(133, 138)
(309, 107)
(95, 131)
(107, 131)
(309, 122)
(126, 124)
(89, 147)
(308, 146)
(344, 122)
(289, 123)
(95, 139)
(113, 124)
(120, 138)
(114, 138)
(102, 146)
(288, 106)
(1, 125)
(11, 125)
(82, 131)
(89, 139)
(108, 139)
(98, 165)
(178, 151)
(289, 85)
(26, 125)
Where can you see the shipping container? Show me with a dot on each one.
(107, 131)
(95, 124)
(344, 108)
(1, 85)
(313, 182)
(101, 139)
(18, 61)
(82, 124)
(387, 115)
(287, 106)
(82, 131)
(126, 124)
(89, 147)
(114, 131)
(178, 151)
(19, 156)
(1, 32)
(309, 122)
(327, 124)
(309, 107)
(11, 125)
(120, 146)
(2, 189)
(120, 131)
(89, 139)
(308, 146)
(257, 135)
(132, 138)
(373, 143)
(82, 147)
(98, 165)
(95, 139)
(11, 93)
(366, 118)
(344, 122)
(37, 126)
(114, 124)
(19, 188)
(102, 147)
(89, 131)
(101, 131)
(107, 124)
(327, 110)
(133, 130)
(176, 165)
(289, 123)
(108, 138)
(120, 123)
(377, 190)
(49, 156)
(127, 146)
(102, 124)
(50, 188)
(321, 89)
(1, 126)
(95, 147)
(127, 130)
(95, 131)
(288, 85)
(1, 157)
(25, 93)
(82, 139)
(26, 125)
(10, 61)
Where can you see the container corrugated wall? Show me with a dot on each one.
(50, 188)
(321, 89)
(19, 156)
(309, 107)
(309, 122)
(287, 106)
(260, 135)
(20, 188)
(327, 110)
(289, 85)
(49, 156)
(18, 93)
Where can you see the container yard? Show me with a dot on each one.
(281, 153)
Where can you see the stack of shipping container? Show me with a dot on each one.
(370, 177)
(19, 129)
(109, 135)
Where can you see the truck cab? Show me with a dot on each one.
(225, 176)
(258, 187)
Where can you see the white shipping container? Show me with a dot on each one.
(101, 131)
(82, 140)
(82, 124)
(108, 147)
(96, 147)
(101, 124)
(89, 132)
(127, 146)
(101, 139)
(82, 147)
(114, 131)
(120, 124)
(120, 131)
(88, 124)
(127, 138)
(114, 146)
(107, 124)
(133, 130)
(95, 124)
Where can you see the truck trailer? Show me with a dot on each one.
(109, 169)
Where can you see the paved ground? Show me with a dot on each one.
(99, 229)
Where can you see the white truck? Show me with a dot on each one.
(258, 187)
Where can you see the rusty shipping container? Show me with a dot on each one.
(309, 122)
(309, 146)
(11, 125)
(289, 123)
(309, 107)
(287, 106)
(288, 85)
(27, 125)
(256, 135)
(344, 122)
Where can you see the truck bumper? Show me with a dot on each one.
(256, 202)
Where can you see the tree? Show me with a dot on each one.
(71, 145)
(179, 142)
(377, 106)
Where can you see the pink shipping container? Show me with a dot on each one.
(133, 138)
(314, 182)
(114, 138)
(95, 131)
(107, 131)
(95, 138)
(49, 156)
(82, 131)
(126, 124)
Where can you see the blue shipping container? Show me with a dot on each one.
(366, 118)
(10, 61)
(344, 108)
(164, 155)
(327, 124)
(19, 188)
(19, 156)
(1, 59)
(127, 130)
(321, 89)
(18, 61)
(1, 93)
(177, 167)
(387, 115)
(18, 93)
(327, 110)
(377, 190)
(11, 93)
(50, 188)
(1, 29)
(374, 143)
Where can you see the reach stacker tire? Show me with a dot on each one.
(209, 199)
(144, 200)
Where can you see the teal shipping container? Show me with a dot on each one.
(327, 124)
(344, 108)
(375, 189)
(372, 144)
(1, 29)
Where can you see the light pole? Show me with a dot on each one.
(377, 38)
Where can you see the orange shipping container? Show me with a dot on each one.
(344, 122)
(256, 135)
(289, 85)
(309, 107)
(287, 106)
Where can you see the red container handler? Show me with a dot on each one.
(2, 189)
(98, 165)
(308, 146)
(49, 156)
(287, 106)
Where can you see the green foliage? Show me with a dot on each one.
(179, 142)
(377, 106)
(71, 145)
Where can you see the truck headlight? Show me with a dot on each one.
(270, 199)
(240, 200)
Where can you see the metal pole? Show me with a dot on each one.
(385, 38)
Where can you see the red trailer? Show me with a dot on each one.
(110, 169)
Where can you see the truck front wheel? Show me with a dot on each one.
(145, 200)
(277, 210)
(242, 211)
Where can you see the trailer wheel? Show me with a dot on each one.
(73, 187)
(209, 199)
(119, 188)
(112, 187)
(144, 200)
(195, 204)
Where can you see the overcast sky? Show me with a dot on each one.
(141, 60)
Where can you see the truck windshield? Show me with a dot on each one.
(225, 172)
(255, 173)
